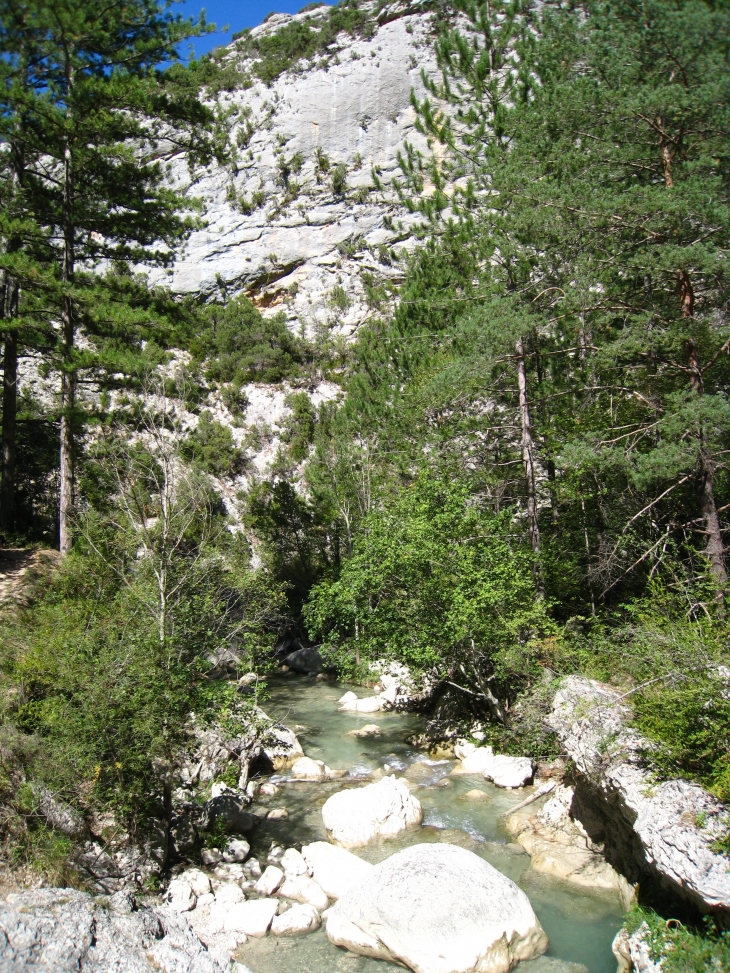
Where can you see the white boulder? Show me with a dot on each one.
(180, 896)
(269, 881)
(349, 697)
(197, 880)
(293, 863)
(307, 769)
(382, 810)
(236, 850)
(304, 889)
(369, 730)
(229, 894)
(370, 704)
(335, 869)
(296, 921)
(438, 909)
(252, 918)
(504, 770)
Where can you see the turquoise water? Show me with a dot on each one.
(580, 926)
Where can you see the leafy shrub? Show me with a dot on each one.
(211, 447)
(299, 426)
(241, 346)
(682, 949)
(339, 179)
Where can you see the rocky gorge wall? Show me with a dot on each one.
(285, 224)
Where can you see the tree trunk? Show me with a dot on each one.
(68, 378)
(714, 549)
(10, 407)
(528, 462)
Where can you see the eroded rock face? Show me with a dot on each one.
(650, 831)
(561, 847)
(63, 930)
(438, 909)
(381, 810)
(291, 249)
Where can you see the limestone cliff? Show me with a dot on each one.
(296, 221)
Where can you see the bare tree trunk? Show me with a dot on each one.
(714, 549)
(68, 378)
(10, 408)
(528, 462)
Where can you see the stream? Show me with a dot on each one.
(580, 925)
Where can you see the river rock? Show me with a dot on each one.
(304, 889)
(370, 730)
(349, 697)
(252, 918)
(335, 869)
(197, 880)
(307, 769)
(560, 846)
(438, 908)
(236, 850)
(504, 770)
(267, 789)
(293, 863)
(64, 931)
(228, 811)
(280, 746)
(180, 896)
(661, 831)
(305, 660)
(210, 856)
(277, 814)
(269, 881)
(296, 921)
(370, 704)
(382, 810)
(475, 795)
(229, 894)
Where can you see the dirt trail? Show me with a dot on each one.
(19, 567)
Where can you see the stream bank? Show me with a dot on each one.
(580, 924)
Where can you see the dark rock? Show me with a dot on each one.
(227, 810)
(305, 660)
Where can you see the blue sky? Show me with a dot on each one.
(237, 14)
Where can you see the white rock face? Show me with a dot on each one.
(335, 869)
(647, 827)
(438, 909)
(381, 810)
(298, 920)
(356, 110)
(304, 889)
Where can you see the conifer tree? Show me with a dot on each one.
(99, 121)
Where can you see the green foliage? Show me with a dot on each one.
(299, 426)
(435, 581)
(338, 179)
(279, 51)
(679, 948)
(211, 447)
(241, 346)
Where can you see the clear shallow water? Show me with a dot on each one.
(580, 926)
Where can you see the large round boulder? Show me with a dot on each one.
(358, 816)
(334, 869)
(438, 908)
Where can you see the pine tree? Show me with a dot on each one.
(99, 121)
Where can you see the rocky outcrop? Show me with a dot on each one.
(63, 930)
(356, 817)
(438, 909)
(653, 832)
(560, 846)
(632, 951)
(278, 225)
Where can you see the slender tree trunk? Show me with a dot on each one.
(10, 408)
(528, 462)
(714, 549)
(68, 378)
